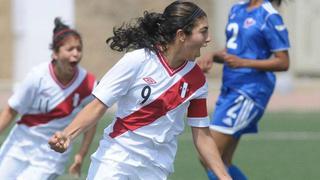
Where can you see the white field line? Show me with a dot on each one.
(271, 136)
(283, 136)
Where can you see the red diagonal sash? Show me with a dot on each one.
(167, 101)
(63, 109)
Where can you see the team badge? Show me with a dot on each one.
(149, 80)
(183, 89)
(76, 99)
(249, 22)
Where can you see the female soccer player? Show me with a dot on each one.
(155, 85)
(257, 44)
(47, 100)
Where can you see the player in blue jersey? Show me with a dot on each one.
(256, 45)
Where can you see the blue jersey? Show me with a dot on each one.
(253, 34)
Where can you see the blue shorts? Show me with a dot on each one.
(235, 114)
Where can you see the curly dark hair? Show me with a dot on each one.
(156, 29)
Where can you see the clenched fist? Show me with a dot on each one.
(59, 142)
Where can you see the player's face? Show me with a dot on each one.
(198, 39)
(68, 55)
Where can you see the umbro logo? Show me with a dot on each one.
(149, 80)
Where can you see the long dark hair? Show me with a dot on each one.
(156, 29)
(60, 32)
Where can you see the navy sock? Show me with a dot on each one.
(236, 173)
(211, 175)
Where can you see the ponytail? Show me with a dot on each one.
(144, 34)
(60, 32)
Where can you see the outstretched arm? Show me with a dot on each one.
(278, 62)
(209, 151)
(6, 117)
(87, 118)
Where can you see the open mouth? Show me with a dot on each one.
(74, 64)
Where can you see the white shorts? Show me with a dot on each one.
(112, 170)
(22, 153)
(15, 169)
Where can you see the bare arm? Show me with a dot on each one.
(217, 57)
(6, 117)
(209, 151)
(87, 118)
(279, 62)
(206, 61)
(75, 168)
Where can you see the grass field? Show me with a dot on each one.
(287, 148)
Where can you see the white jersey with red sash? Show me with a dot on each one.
(152, 102)
(45, 106)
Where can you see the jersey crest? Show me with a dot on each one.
(249, 22)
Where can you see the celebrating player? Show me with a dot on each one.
(257, 44)
(155, 85)
(47, 100)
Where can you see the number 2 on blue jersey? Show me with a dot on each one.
(231, 44)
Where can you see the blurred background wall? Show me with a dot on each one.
(95, 19)
(5, 41)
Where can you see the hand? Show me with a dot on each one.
(205, 63)
(75, 168)
(233, 61)
(218, 57)
(59, 142)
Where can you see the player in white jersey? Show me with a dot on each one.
(155, 85)
(47, 100)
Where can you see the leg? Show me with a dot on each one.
(233, 170)
(234, 115)
(226, 145)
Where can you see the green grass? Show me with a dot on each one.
(287, 148)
